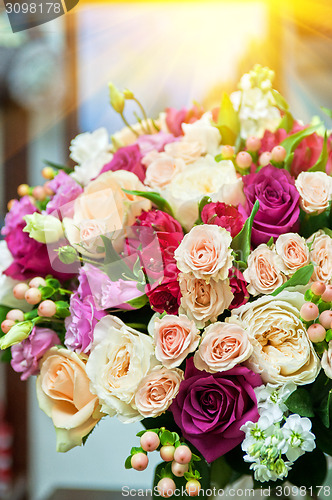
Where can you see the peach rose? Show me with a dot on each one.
(205, 251)
(293, 252)
(223, 346)
(320, 245)
(162, 169)
(104, 201)
(175, 337)
(63, 394)
(187, 151)
(263, 272)
(327, 361)
(202, 301)
(315, 190)
(157, 390)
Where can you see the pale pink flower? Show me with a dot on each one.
(263, 272)
(315, 189)
(293, 252)
(321, 256)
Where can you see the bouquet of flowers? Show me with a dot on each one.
(179, 275)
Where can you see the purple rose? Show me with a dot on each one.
(127, 158)
(66, 191)
(26, 355)
(148, 143)
(211, 408)
(80, 325)
(278, 197)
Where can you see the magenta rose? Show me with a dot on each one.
(211, 408)
(223, 215)
(127, 158)
(26, 355)
(278, 198)
(154, 142)
(159, 221)
(238, 287)
(80, 325)
(66, 191)
(165, 296)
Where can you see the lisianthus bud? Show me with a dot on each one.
(67, 254)
(116, 98)
(43, 228)
(16, 334)
(128, 94)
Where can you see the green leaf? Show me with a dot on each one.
(310, 470)
(323, 436)
(115, 267)
(291, 142)
(280, 100)
(47, 292)
(128, 463)
(288, 162)
(320, 165)
(204, 201)
(300, 277)
(300, 402)
(138, 302)
(167, 438)
(155, 198)
(327, 111)
(58, 166)
(228, 121)
(221, 473)
(3, 313)
(241, 242)
(270, 242)
(324, 411)
(287, 122)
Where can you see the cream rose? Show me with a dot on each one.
(105, 202)
(204, 177)
(120, 357)
(205, 251)
(204, 133)
(263, 272)
(223, 346)
(293, 252)
(282, 351)
(320, 245)
(161, 171)
(327, 361)
(157, 390)
(63, 394)
(315, 189)
(202, 301)
(187, 151)
(174, 337)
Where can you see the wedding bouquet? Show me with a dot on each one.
(179, 275)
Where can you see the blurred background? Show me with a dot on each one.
(53, 85)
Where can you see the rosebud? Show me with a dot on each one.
(117, 99)
(16, 334)
(67, 254)
(43, 228)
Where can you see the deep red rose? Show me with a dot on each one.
(239, 288)
(223, 215)
(159, 221)
(127, 158)
(167, 295)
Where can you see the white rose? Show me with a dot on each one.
(204, 177)
(327, 361)
(315, 189)
(90, 169)
(87, 146)
(7, 284)
(188, 151)
(120, 358)
(162, 170)
(204, 133)
(282, 349)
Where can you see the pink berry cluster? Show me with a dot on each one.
(37, 193)
(177, 455)
(316, 313)
(37, 292)
(244, 159)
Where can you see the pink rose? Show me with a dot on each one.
(162, 170)
(223, 346)
(293, 252)
(26, 355)
(321, 256)
(127, 158)
(157, 390)
(315, 189)
(223, 215)
(205, 251)
(202, 301)
(175, 118)
(154, 142)
(175, 337)
(263, 272)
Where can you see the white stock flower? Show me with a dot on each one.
(298, 436)
(271, 399)
(282, 350)
(7, 284)
(203, 132)
(120, 358)
(90, 169)
(88, 145)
